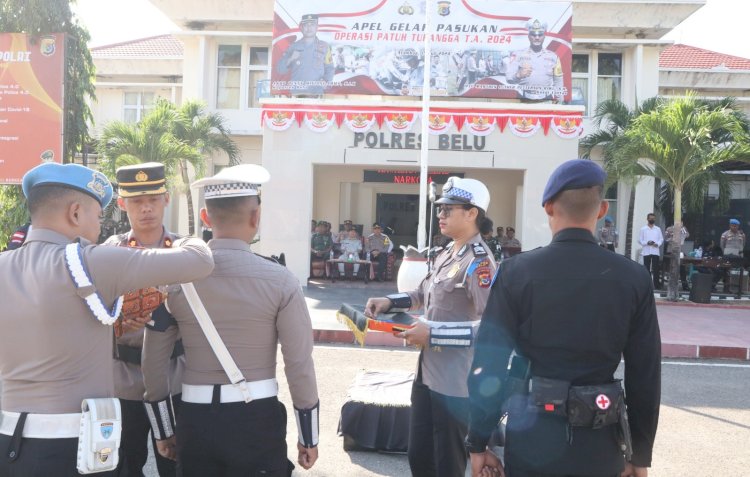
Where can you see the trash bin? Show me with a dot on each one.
(700, 290)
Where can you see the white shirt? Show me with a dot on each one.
(650, 234)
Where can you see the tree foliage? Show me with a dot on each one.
(42, 17)
(179, 137)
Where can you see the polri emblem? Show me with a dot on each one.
(98, 184)
(444, 8)
(106, 429)
(47, 46)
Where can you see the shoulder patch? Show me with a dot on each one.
(479, 250)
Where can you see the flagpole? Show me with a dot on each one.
(424, 149)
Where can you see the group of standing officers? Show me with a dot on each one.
(567, 312)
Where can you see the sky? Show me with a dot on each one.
(114, 21)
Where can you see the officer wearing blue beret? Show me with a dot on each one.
(569, 311)
(61, 294)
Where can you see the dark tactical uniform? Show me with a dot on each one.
(453, 295)
(573, 309)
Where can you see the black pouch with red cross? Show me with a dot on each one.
(595, 406)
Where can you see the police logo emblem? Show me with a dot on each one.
(104, 454)
(106, 428)
(47, 156)
(603, 402)
(141, 177)
(98, 184)
(47, 46)
(444, 8)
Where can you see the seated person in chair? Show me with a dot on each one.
(321, 243)
(351, 249)
(378, 245)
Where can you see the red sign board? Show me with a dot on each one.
(407, 177)
(31, 102)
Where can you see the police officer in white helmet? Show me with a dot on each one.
(453, 296)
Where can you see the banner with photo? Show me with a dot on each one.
(480, 48)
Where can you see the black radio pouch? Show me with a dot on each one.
(595, 406)
(550, 396)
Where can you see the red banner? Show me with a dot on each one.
(31, 102)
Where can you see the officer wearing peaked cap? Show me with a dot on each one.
(308, 61)
(453, 295)
(556, 307)
(143, 195)
(60, 294)
(254, 304)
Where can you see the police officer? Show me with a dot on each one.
(571, 310)
(536, 69)
(308, 60)
(733, 240)
(378, 245)
(59, 293)
(608, 235)
(255, 304)
(143, 195)
(453, 295)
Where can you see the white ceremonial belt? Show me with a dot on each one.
(42, 426)
(203, 393)
(449, 324)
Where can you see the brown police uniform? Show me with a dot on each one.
(254, 304)
(383, 244)
(57, 352)
(453, 296)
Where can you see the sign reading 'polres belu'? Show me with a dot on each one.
(449, 142)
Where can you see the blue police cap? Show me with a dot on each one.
(734, 221)
(574, 174)
(72, 176)
(609, 219)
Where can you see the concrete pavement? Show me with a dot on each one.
(720, 329)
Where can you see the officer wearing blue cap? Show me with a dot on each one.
(733, 240)
(61, 294)
(608, 235)
(569, 311)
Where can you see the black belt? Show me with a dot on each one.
(132, 355)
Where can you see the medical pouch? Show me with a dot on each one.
(595, 406)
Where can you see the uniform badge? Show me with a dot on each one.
(104, 454)
(454, 270)
(484, 277)
(98, 184)
(106, 429)
(603, 402)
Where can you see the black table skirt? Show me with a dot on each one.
(376, 413)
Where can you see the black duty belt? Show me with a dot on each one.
(132, 354)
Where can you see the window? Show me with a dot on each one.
(136, 105)
(228, 77)
(580, 81)
(242, 76)
(609, 77)
(257, 76)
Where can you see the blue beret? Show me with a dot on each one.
(73, 176)
(734, 221)
(575, 174)
(609, 219)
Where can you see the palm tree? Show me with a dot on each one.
(681, 142)
(150, 140)
(616, 117)
(207, 134)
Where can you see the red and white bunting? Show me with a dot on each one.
(359, 122)
(400, 122)
(440, 123)
(279, 120)
(524, 126)
(480, 125)
(568, 127)
(319, 121)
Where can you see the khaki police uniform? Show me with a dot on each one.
(58, 353)
(313, 66)
(255, 305)
(453, 296)
(129, 387)
(383, 245)
(545, 80)
(732, 243)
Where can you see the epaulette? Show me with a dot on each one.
(479, 250)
